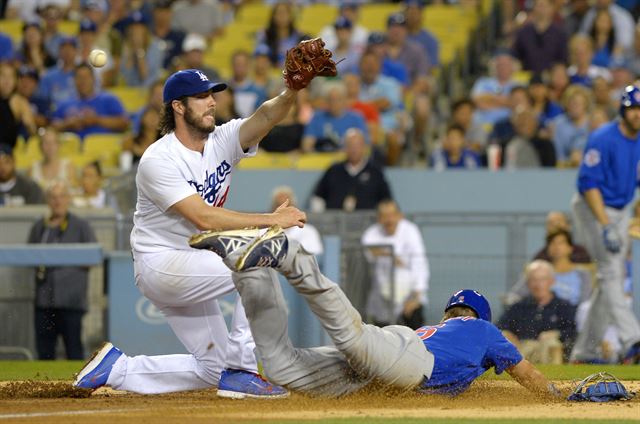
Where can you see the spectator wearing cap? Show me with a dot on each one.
(100, 35)
(417, 32)
(6, 48)
(27, 87)
(193, 49)
(404, 50)
(91, 111)
(359, 34)
(390, 67)
(204, 17)
(32, 51)
(247, 94)
(57, 85)
(325, 132)
(491, 93)
(265, 75)
(51, 15)
(14, 108)
(170, 39)
(348, 54)
(541, 42)
(16, 189)
(142, 56)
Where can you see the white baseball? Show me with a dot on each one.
(98, 58)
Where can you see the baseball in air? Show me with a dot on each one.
(98, 58)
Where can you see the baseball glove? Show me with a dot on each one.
(600, 387)
(306, 61)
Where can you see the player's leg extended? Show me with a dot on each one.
(613, 273)
(318, 371)
(187, 296)
(607, 302)
(394, 355)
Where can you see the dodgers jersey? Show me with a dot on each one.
(169, 172)
(610, 163)
(463, 349)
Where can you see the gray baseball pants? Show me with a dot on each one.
(394, 357)
(608, 304)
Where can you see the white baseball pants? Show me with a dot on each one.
(608, 303)
(185, 285)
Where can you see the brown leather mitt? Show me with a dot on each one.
(306, 61)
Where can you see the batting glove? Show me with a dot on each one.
(611, 238)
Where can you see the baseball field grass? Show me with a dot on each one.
(40, 391)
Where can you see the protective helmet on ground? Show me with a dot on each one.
(471, 299)
(630, 98)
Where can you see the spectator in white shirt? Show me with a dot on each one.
(395, 250)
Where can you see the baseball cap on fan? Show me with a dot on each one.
(189, 82)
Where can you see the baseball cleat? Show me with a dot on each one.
(96, 371)
(240, 384)
(266, 251)
(223, 243)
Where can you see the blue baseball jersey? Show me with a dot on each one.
(610, 163)
(464, 348)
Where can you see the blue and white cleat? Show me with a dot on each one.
(96, 371)
(267, 251)
(240, 384)
(223, 243)
(633, 355)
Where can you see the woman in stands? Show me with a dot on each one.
(14, 108)
(281, 34)
(52, 167)
(32, 51)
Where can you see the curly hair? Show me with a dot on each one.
(167, 122)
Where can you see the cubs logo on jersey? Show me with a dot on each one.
(592, 157)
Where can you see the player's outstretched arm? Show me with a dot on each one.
(205, 217)
(530, 377)
(258, 125)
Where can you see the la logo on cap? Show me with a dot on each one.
(202, 76)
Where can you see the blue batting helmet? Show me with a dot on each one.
(630, 98)
(471, 299)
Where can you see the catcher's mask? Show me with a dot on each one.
(471, 299)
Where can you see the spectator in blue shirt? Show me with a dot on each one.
(546, 108)
(57, 83)
(491, 93)
(51, 15)
(327, 128)
(417, 33)
(6, 48)
(571, 129)
(453, 153)
(247, 94)
(171, 38)
(90, 112)
(377, 44)
(141, 61)
(26, 86)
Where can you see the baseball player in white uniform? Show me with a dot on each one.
(183, 180)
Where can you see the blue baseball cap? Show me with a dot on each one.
(87, 25)
(396, 19)
(189, 82)
(342, 23)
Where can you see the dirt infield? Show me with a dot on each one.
(57, 402)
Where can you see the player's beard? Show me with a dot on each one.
(197, 122)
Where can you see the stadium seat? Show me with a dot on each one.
(69, 27)
(254, 14)
(13, 28)
(265, 160)
(315, 16)
(79, 160)
(318, 161)
(132, 98)
(69, 144)
(374, 16)
(104, 148)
